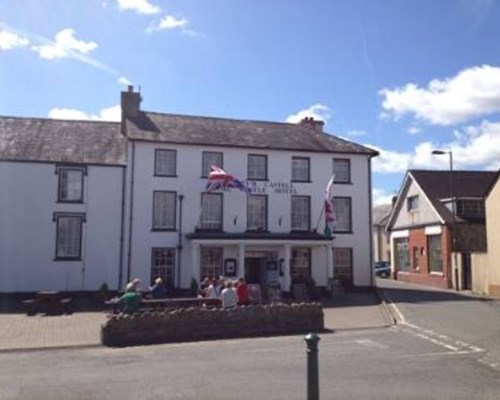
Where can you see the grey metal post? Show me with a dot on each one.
(312, 366)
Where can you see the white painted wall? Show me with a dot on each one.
(425, 213)
(28, 200)
(190, 184)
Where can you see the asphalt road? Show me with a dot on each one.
(466, 320)
(389, 363)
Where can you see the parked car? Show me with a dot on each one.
(382, 269)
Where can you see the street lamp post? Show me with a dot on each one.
(453, 211)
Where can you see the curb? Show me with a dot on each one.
(44, 348)
(388, 311)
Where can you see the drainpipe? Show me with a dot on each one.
(122, 229)
(131, 213)
(179, 243)
(370, 222)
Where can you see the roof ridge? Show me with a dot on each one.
(59, 119)
(297, 125)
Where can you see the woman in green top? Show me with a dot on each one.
(130, 300)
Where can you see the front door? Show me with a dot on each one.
(255, 270)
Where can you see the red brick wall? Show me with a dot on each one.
(418, 239)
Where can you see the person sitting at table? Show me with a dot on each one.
(211, 292)
(228, 296)
(242, 292)
(130, 300)
(159, 290)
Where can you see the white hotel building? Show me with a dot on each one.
(91, 202)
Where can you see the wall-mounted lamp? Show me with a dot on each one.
(280, 220)
(235, 220)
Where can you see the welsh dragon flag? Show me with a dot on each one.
(329, 210)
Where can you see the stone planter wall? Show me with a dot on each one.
(192, 324)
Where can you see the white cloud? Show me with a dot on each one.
(474, 147)
(124, 81)
(169, 22)
(11, 40)
(478, 145)
(472, 93)
(139, 6)
(380, 196)
(112, 113)
(413, 130)
(65, 44)
(390, 161)
(317, 111)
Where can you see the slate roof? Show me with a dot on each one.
(381, 214)
(436, 185)
(51, 140)
(181, 129)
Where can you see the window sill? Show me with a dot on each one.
(342, 183)
(164, 176)
(343, 232)
(434, 273)
(67, 259)
(163, 230)
(59, 201)
(308, 181)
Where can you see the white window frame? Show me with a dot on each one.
(342, 170)
(343, 214)
(164, 210)
(300, 213)
(210, 261)
(211, 211)
(301, 169)
(435, 254)
(70, 184)
(163, 264)
(210, 158)
(165, 162)
(300, 263)
(342, 264)
(69, 232)
(412, 203)
(257, 167)
(257, 212)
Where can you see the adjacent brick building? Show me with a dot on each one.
(438, 220)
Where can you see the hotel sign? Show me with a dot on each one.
(271, 187)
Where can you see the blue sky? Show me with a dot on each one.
(404, 77)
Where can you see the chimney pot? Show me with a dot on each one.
(130, 102)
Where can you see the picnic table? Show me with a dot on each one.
(163, 304)
(49, 302)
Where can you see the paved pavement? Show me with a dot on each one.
(82, 329)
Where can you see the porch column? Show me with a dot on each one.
(287, 282)
(241, 261)
(329, 263)
(195, 261)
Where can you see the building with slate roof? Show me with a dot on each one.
(93, 202)
(429, 243)
(61, 201)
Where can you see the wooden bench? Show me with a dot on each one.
(48, 302)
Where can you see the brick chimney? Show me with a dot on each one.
(313, 123)
(130, 102)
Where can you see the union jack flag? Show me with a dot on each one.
(218, 179)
